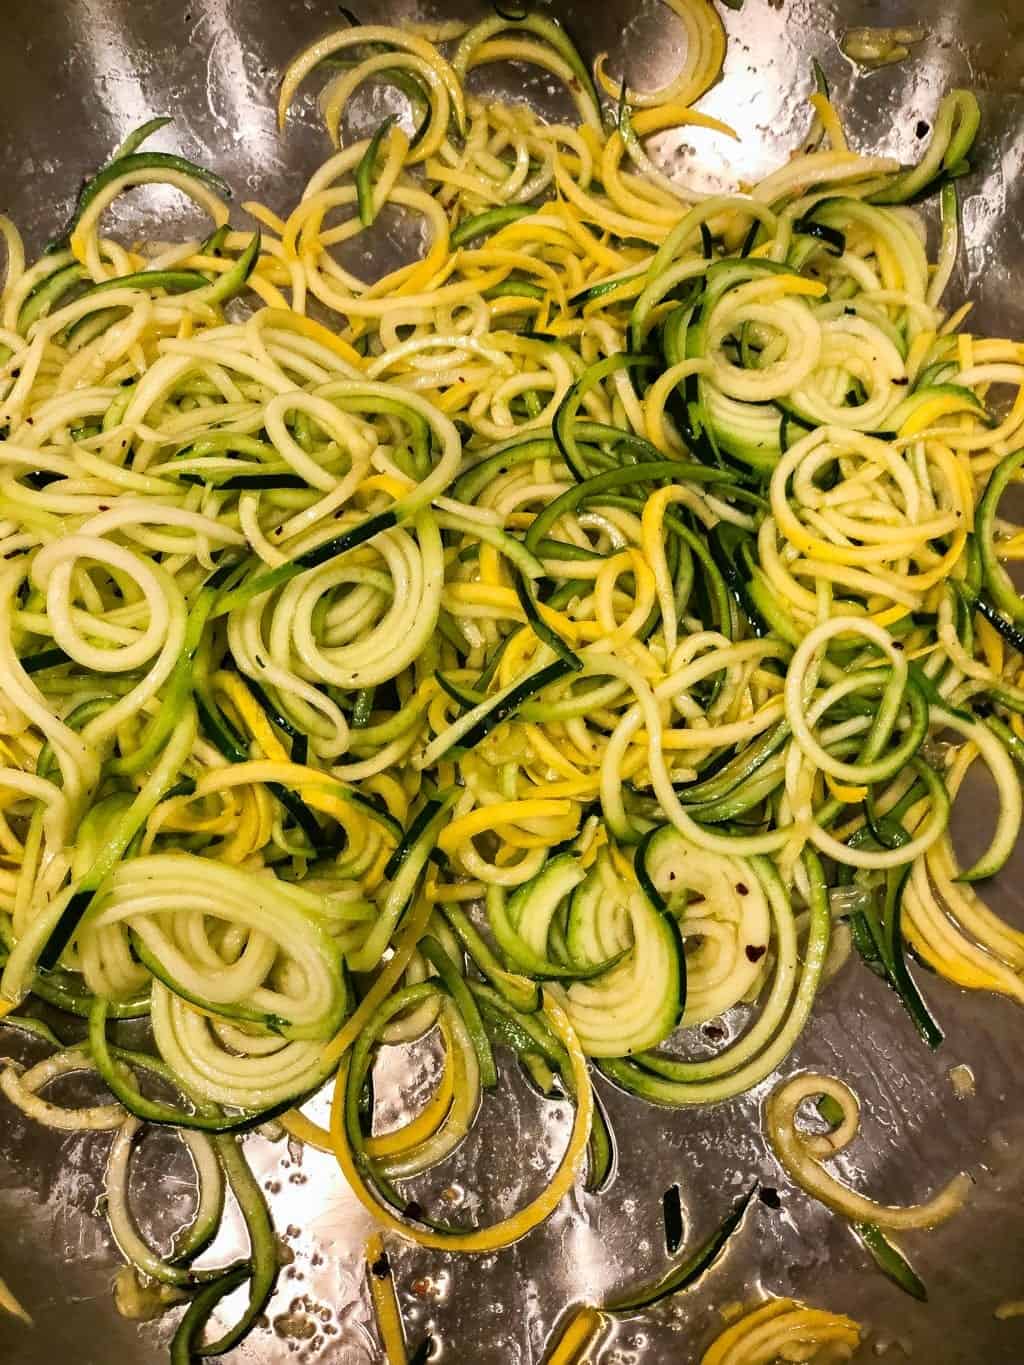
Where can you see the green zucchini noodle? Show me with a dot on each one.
(801, 1153)
(22, 1089)
(535, 653)
(208, 1213)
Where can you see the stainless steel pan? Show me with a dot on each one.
(75, 75)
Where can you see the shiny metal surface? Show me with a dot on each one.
(75, 75)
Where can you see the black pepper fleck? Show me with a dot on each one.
(742, 889)
(381, 1267)
(755, 951)
(770, 1197)
(922, 128)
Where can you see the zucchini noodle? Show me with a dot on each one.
(802, 1153)
(531, 651)
(385, 1301)
(11, 1305)
(208, 1213)
(783, 1329)
(22, 1089)
(582, 1333)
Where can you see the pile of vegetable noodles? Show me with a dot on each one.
(434, 658)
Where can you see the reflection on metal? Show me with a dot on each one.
(74, 76)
